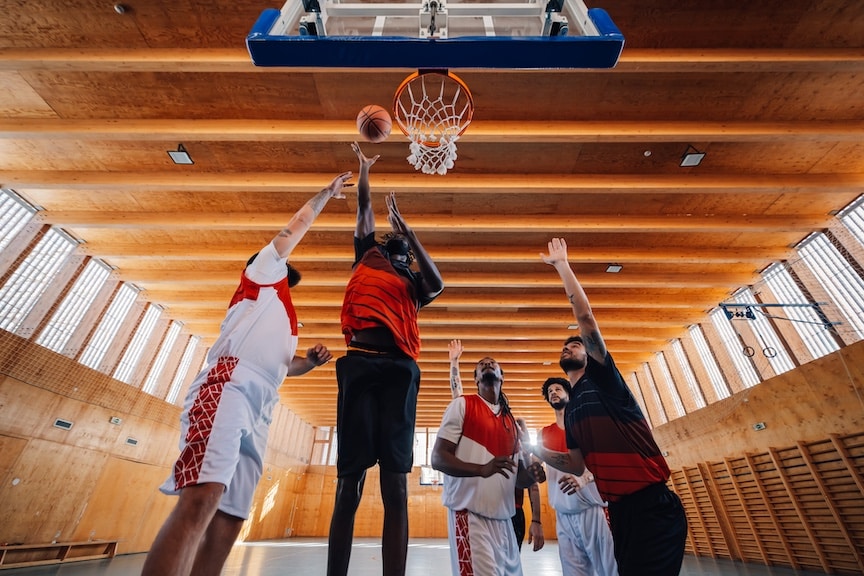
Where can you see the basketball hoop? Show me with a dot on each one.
(433, 108)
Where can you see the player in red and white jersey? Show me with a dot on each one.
(227, 412)
(478, 450)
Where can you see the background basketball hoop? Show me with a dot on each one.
(433, 108)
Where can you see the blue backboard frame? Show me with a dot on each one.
(496, 52)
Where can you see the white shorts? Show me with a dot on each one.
(482, 546)
(585, 543)
(223, 435)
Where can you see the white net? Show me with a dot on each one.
(433, 159)
(433, 109)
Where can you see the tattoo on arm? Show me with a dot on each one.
(455, 381)
(561, 459)
(317, 202)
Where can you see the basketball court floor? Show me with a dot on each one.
(426, 557)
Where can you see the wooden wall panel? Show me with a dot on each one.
(823, 397)
(65, 472)
(120, 505)
(10, 450)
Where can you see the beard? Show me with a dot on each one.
(558, 405)
(570, 363)
(488, 377)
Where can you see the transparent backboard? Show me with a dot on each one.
(437, 34)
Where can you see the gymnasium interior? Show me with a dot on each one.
(709, 184)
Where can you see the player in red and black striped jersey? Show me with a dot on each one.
(379, 377)
(606, 430)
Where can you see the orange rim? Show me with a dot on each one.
(399, 118)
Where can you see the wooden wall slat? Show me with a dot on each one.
(746, 539)
(804, 551)
(715, 482)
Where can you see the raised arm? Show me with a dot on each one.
(455, 349)
(593, 341)
(433, 284)
(288, 238)
(365, 215)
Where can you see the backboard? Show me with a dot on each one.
(440, 34)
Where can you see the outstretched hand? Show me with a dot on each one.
(498, 465)
(365, 161)
(336, 185)
(394, 216)
(455, 349)
(557, 248)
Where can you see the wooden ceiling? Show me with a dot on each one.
(772, 91)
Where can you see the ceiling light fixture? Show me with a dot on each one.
(180, 156)
(691, 157)
(614, 268)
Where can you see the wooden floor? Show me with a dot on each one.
(426, 557)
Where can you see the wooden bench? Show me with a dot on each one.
(21, 555)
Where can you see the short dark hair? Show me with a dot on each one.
(294, 275)
(563, 382)
(574, 339)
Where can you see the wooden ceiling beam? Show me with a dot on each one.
(406, 183)
(237, 60)
(127, 254)
(242, 130)
(214, 297)
(195, 279)
(749, 223)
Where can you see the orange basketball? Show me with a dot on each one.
(374, 123)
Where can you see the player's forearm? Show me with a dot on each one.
(300, 365)
(293, 232)
(455, 379)
(452, 466)
(560, 460)
(534, 499)
(431, 275)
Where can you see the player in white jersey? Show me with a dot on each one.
(584, 540)
(228, 409)
(478, 450)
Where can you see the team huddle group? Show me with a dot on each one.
(606, 475)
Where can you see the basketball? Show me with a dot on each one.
(374, 123)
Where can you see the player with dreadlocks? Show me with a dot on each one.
(478, 450)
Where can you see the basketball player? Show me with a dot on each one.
(606, 430)
(379, 378)
(535, 532)
(478, 449)
(584, 540)
(226, 416)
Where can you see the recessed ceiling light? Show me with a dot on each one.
(614, 268)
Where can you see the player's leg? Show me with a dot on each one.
(173, 551)
(349, 490)
(217, 543)
(397, 408)
(356, 412)
(236, 502)
(394, 541)
(598, 541)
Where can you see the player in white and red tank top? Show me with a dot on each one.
(227, 411)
